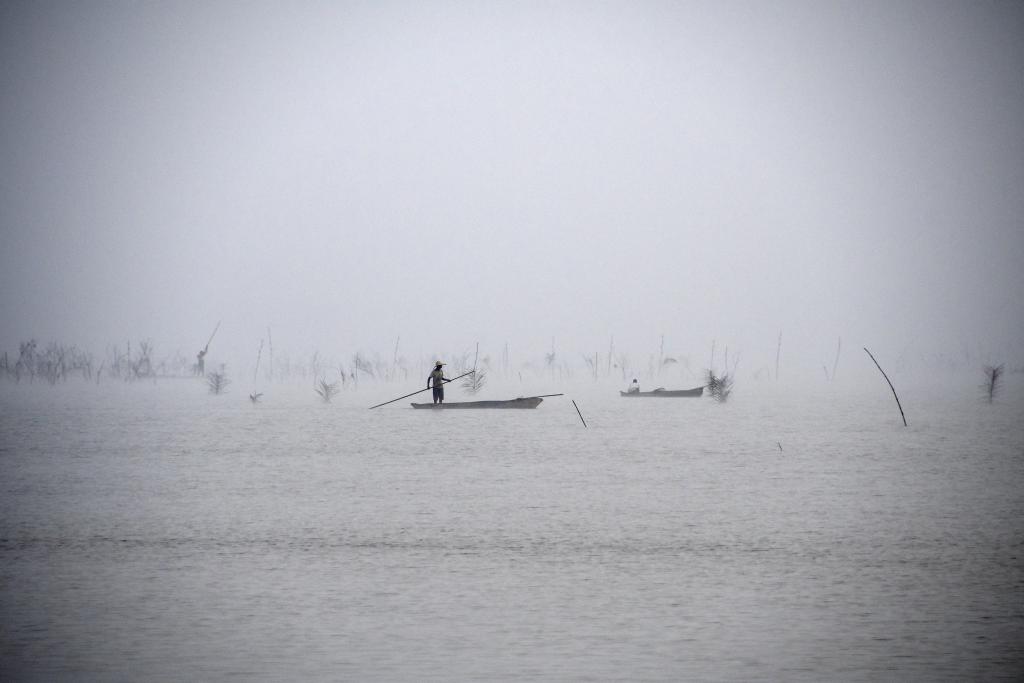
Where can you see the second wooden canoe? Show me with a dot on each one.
(665, 393)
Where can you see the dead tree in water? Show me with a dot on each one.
(993, 373)
(475, 379)
(142, 365)
(890, 386)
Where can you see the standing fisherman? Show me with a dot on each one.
(437, 379)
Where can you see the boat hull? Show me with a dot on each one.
(665, 393)
(531, 402)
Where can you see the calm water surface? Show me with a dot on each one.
(154, 532)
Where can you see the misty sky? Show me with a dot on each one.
(447, 172)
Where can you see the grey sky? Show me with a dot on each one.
(348, 172)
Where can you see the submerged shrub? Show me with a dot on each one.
(325, 390)
(718, 386)
(217, 382)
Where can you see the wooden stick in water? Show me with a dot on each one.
(579, 413)
(890, 386)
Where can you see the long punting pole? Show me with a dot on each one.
(212, 335)
(420, 391)
(890, 386)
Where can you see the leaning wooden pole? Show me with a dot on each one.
(579, 413)
(835, 366)
(778, 352)
(256, 372)
(890, 386)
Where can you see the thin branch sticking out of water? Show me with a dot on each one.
(890, 386)
(992, 387)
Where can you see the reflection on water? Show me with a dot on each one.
(148, 533)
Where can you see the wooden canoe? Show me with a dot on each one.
(529, 402)
(665, 393)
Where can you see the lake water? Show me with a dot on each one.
(151, 531)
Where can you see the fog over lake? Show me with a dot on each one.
(328, 197)
(447, 173)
